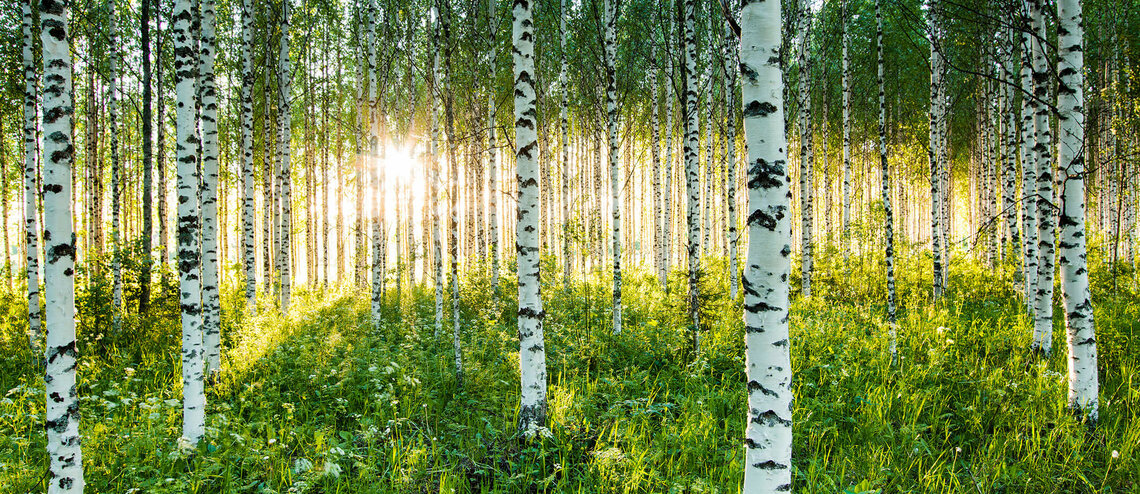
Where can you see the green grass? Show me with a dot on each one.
(322, 402)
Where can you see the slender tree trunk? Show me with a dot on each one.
(807, 158)
(1083, 385)
(437, 247)
(116, 188)
(284, 131)
(1042, 153)
(249, 236)
(189, 226)
(31, 231)
(846, 247)
(615, 163)
(453, 184)
(564, 130)
(1009, 144)
(372, 165)
(731, 68)
(532, 350)
(147, 145)
(692, 166)
(492, 145)
(160, 152)
(667, 233)
(935, 143)
(1028, 169)
(768, 432)
(211, 304)
(888, 212)
(269, 199)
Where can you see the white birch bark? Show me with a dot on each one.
(667, 226)
(532, 349)
(768, 433)
(31, 230)
(731, 62)
(372, 165)
(1079, 324)
(492, 144)
(846, 83)
(189, 226)
(1009, 146)
(249, 261)
(1028, 169)
(564, 133)
(885, 175)
(934, 150)
(61, 417)
(284, 114)
(211, 304)
(1043, 155)
(437, 247)
(807, 158)
(116, 175)
(615, 162)
(453, 185)
(692, 166)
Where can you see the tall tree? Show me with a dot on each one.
(1083, 385)
(492, 144)
(284, 131)
(692, 162)
(886, 175)
(116, 174)
(211, 304)
(615, 163)
(249, 236)
(1043, 156)
(532, 346)
(846, 76)
(147, 155)
(31, 231)
(768, 432)
(731, 64)
(807, 157)
(189, 226)
(437, 244)
(452, 181)
(934, 151)
(61, 417)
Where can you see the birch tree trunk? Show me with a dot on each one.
(731, 64)
(31, 230)
(492, 144)
(116, 186)
(249, 236)
(615, 163)
(61, 417)
(1028, 168)
(933, 152)
(437, 247)
(807, 158)
(667, 227)
(211, 305)
(160, 153)
(1079, 325)
(147, 145)
(564, 131)
(846, 76)
(453, 184)
(189, 226)
(692, 166)
(768, 433)
(284, 131)
(888, 212)
(1009, 144)
(532, 349)
(371, 165)
(1043, 154)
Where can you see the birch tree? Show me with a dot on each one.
(846, 83)
(1079, 325)
(211, 304)
(31, 230)
(61, 415)
(731, 62)
(615, 163)
(147, 155)
(492, 144)
(189, 226)
(249, 261)
(116, 186)
(886, 174)
(284, 75)
(692, 164)
(1043, 156)
(807, 157)
(768, 432)
(933, 152)
(532, 349)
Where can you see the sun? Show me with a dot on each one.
(400, 163)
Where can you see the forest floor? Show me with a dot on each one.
(322, 402)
